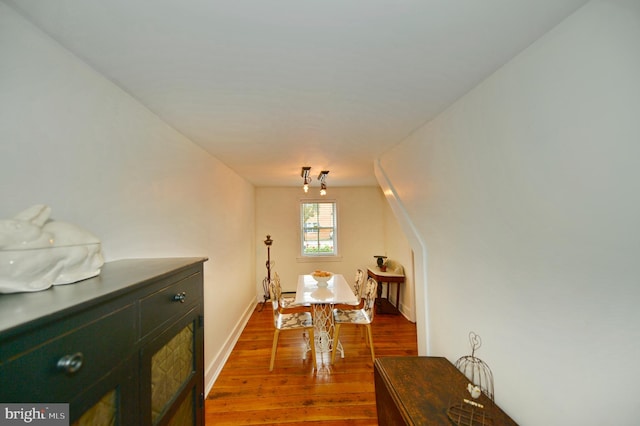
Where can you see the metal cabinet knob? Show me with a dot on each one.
(70, 363)
(180, 297)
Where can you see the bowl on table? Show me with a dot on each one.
(321, 277)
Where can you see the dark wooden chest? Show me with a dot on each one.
(419, 390)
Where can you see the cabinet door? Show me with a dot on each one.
(110, 402)
(172, 380)
(90, 366)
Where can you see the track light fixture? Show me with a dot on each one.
(323, 186)
(306, 178)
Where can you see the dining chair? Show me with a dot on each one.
(357, 290)
(357, 285)
(362, 316)
(288, 302)
(289, 321)
(284, 301)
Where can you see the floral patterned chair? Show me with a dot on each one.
(358, 283)
(362, 316)
(287, 301)
(284, 301)
(289, 321)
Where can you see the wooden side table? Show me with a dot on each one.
(383, 305)
(416, 390)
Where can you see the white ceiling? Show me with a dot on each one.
(269, 86)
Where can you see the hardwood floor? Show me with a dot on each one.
(246, 393)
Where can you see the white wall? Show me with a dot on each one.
(527, 194)
(361, 231)
(73, 140)
(398, 247)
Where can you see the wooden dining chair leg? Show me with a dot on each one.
(334, 349)
(313, 348)
(373, 357)
(274, 349)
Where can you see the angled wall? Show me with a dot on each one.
(525, 193)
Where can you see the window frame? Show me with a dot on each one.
(334, 256)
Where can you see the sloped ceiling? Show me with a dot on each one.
(269, 86)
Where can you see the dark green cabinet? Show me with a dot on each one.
(123, 348)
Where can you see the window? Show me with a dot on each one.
(318, 229)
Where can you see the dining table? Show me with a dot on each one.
(322, 297)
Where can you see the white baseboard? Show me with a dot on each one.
(215, 367)
(408, 314)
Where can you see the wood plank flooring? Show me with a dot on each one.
(246, 393)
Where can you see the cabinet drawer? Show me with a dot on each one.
(37, 376)
(169, 302)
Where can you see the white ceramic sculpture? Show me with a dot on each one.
(36, 253)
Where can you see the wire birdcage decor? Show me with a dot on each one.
(475, 369)
(471, 411)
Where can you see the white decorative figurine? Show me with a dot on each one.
(474, 391)
(36, 253)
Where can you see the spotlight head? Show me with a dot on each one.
(306, 179)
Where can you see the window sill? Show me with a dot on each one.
(308, 259)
